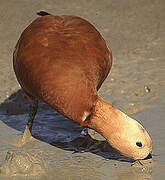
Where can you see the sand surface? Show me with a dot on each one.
(135, 30)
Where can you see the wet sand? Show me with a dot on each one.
(72, 159)
(135, 30)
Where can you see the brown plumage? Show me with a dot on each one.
(63, 60)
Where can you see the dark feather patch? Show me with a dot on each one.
(43, 13)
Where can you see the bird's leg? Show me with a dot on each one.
(32, 112)
(86, 142)
(27, 136)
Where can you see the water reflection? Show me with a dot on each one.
(84, 156)
(53, 128)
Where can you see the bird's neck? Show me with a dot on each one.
(107, 120)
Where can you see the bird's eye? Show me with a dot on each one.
(139, 144)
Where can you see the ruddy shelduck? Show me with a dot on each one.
(63, 61)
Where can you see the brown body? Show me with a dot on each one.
(63, 60)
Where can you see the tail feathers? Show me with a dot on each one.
(43, 13)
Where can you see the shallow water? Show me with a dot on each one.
(72, 154)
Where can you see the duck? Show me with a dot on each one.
(63, 60)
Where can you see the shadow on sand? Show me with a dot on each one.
(53, 128)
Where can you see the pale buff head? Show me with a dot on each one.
(131, 139)
(122, 132)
